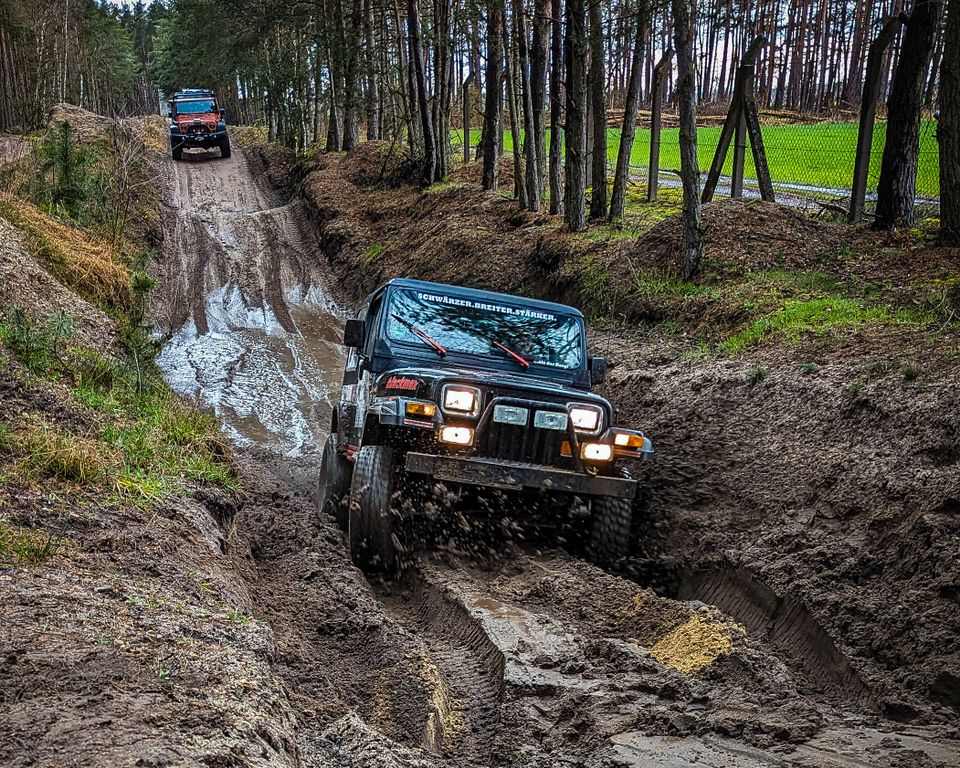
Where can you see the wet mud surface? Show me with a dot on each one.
(528, 657)
(249, 329)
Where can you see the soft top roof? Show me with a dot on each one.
(479, 295)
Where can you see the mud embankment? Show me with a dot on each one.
(249, 328)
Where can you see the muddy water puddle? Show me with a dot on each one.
(267, 387)
(251, 333)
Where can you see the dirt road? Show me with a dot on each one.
(527, 657)
(252, 333)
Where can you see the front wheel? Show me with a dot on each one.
(612, 519)
(225, 147)
(334, 483)
(371, 520)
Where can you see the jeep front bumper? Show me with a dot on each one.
(197, 140)
(509, 476)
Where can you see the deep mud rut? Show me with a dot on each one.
(530, 657)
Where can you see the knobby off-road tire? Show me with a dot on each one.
(371, 522)
(612, 520)
(334, 485)
(225, 147)
(177, 153)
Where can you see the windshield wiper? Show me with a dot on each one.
(420, 334)
(524, 362)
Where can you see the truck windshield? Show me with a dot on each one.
(479, 327)
(194, 107)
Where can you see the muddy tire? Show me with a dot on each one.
(371, 521)
(177, 153)
(334, 484)
(612, 520)
(225, 147)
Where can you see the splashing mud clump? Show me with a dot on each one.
(696, 643)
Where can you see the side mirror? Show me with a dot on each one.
(598, 370)
(169, 109)
(353, 333)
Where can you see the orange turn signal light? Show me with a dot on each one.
(628, 440)
(421, 409)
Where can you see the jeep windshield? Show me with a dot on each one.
(459, 324)
(200, 107)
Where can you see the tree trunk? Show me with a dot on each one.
(491, 111)
(509, 71)
(897, 188)
(416, 56)
(622, 176)
(689, 165)
(575, 132)
(948, 130)
(350, 78)
(539, 53)
(532, 173)
(598, 88)
(556, 105)
(467, 109)
(373, 94)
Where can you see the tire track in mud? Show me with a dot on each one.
(251, 330)
(469, 665)
(786, 625)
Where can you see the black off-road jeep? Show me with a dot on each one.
(471, 389)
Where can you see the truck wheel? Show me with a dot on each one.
(610, 531)
(334, 483)
(177, 153)
(225, 147)
(371, 522)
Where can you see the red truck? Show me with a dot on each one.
(196, 120)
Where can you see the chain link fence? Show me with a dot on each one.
(811, 161)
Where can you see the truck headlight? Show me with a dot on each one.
(585, 418)
(461, 399)
(596, 452)
(456, 435)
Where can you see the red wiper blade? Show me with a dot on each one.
(420, 334)
(510, 352)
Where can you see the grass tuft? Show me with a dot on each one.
(798, 317)
(88, 266)
(26, 546)
(52, 452)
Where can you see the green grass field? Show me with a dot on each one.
(819, 154)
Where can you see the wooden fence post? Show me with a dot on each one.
(868, 112)
(740, 140)
(733, 124)
(656, 109)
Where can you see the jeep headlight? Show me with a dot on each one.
(586, 418)
(461, 399)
